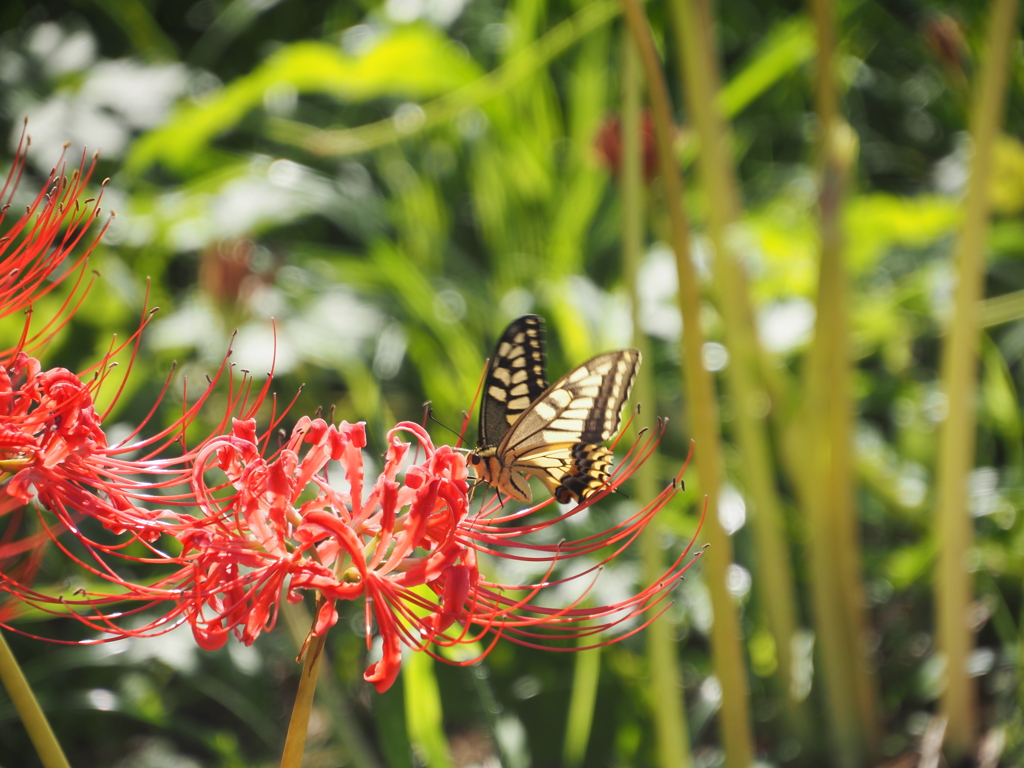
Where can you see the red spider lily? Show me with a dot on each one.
(408, 545)
(42, 239)
(56, 454)
(39, 241)
(53, 450)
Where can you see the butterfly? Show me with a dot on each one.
(528, 428)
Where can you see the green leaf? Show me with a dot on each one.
(908, 564)
(883, 221)
(414, 62)
(786, 48)
(423, 714)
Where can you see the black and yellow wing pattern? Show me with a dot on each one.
(553, 434)
(516, 377)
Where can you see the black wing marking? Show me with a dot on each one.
(584, 406)
(569, 472)
(516, 377)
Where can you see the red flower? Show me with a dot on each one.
(39, 241)
(608, 144)
(408, 545)
(54, 455)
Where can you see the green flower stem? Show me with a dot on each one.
(358, 751)
(773, 562)
(954, 531)
(582, 700)
(664, 679)
(39, 730)
(295, 741)
(702, 417)
(833, 541)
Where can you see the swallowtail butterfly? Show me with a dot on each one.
(552, 433)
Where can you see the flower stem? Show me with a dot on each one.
(954, 531)
(295, 741)
(39, 730)
(357, 751)
(726, 649)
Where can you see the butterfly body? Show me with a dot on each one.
(552, 432)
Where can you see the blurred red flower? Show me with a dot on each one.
(608, 144)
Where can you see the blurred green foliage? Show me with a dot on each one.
(380, 188)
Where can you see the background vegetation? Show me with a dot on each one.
(392, 183)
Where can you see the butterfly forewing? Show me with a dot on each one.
(516, 377)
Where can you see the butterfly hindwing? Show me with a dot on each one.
(516, 377)
(570, 472)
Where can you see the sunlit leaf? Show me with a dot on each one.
(414, 62)
(785, 48)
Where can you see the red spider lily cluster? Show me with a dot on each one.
(47, 420)
(250, 524)
(54, 454)
(408, 544)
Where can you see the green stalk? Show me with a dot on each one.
(39, 730)
(726, 635)
(1002, 309)
(664, 680)
(423, 715)
(828, 495)
(357, 750)
(585, 678)
(954, 531)
(773, 564)
(295, 741)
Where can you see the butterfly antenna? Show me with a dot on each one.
(430, 415)
(479, 389)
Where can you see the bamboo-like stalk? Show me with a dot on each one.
(295, 741)
(954, 531)
(664, 679)
(726, 637)
(773, 565)
(39, 731)
(833, 542)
